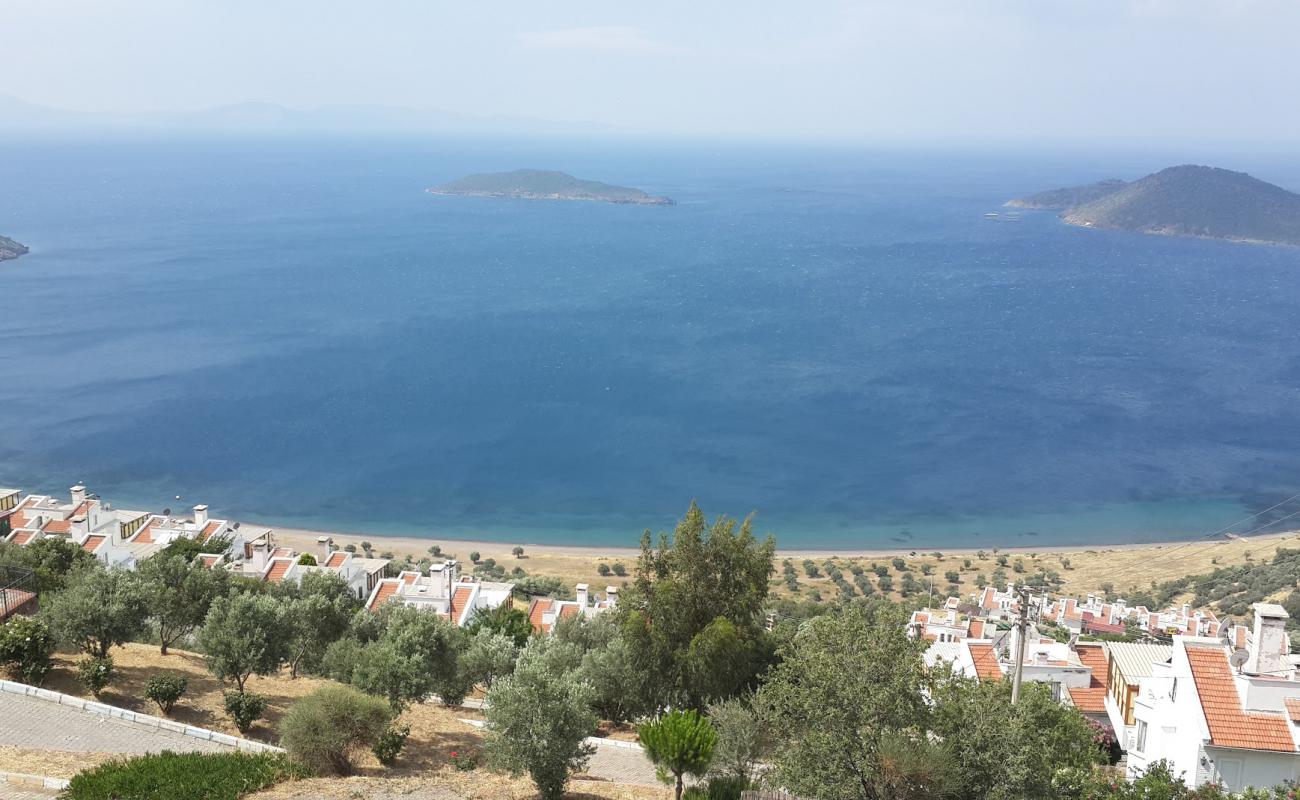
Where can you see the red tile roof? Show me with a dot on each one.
(1092, 698)
(458, 601)
(986, 661)
(336, 559)
(279, 566)
(208, 530)
(209, 559)
(409, 578)
(57, 526)
(1230, 725)
(145, 534)
(536, 610)
(976, 629)
(1293, 708)
(24, 537)
(282, 552)
(385, 592)
(92, 543)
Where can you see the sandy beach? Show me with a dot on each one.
(1081, 567)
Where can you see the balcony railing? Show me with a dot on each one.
(17, 591)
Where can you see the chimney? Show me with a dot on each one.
(201, 516)
(326, 547)
(582, 597)
(78, 495)
(1268, 651)
(261, 553)
(611, 596)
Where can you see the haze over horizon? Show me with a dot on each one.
(1170, 71)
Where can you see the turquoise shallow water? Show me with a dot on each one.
(294, 332)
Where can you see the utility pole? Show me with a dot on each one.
(1022, 629)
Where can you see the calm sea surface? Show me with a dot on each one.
(295, 333)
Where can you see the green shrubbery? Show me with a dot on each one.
(322, 730)
(170, 776)
(25, 648)
(165, 690)
(94, 673)
(244, 708)
(390, 743)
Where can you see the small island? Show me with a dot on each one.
(10, 249)
(1188, 200)
(538, 184)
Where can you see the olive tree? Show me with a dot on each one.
(244, 635)
(539, 717)
(180, 593)
(100, 610)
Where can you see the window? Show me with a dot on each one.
(1141, 736)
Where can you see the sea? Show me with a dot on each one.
(842, 341)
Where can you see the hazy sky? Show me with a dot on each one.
(935, 70)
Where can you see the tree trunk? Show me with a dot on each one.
(679, 787)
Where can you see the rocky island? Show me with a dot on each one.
(10, 249)
(1188, 200)
(538, 184)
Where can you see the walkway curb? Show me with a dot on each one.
(135, 718)
(34, 781)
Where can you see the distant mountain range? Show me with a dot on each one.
(19, 115)
(539, 184)
(1188, 200)
(10, 249)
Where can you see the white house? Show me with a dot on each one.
(545, 612)
(1223, 716)
(443, 591)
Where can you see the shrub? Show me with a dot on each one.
(95, 673)
(719, 788)
(245, 708)
(25, 647)
(166, 776)
(390, 743)
(321, 730)
(307, 560)
(619, 569)
(165, 690)
(899, 564)
(517, 551)
(473, 556)
(464, 762)
(603, 569)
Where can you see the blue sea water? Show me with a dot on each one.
(840, 341)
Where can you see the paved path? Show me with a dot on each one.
(621, 765)
(9, 791)
(40, 724)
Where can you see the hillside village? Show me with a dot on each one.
(1212, 701)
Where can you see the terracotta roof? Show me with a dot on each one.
(209, 559)
(145, 534)
(409, 578)
(336, 559)
(1293, 708)
(57, 526)
(92, 543)
(208, 530)
(986, 662)
(458, 601)
(536, 610)
(23, 537)
(383, 593)
(282, 552)
(1092, 699)
(279, 566)
(1230, 725)
(568, 611)
(976, 629)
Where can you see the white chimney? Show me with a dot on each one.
(326, 547)
(611, 596)
(581, 589)
(200, 516)
(261, 553)
(1268, 650)
(78, 495)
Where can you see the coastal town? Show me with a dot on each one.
(1214, 701)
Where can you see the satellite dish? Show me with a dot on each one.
(235, 526)
(1239, 658)
(167, 512)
